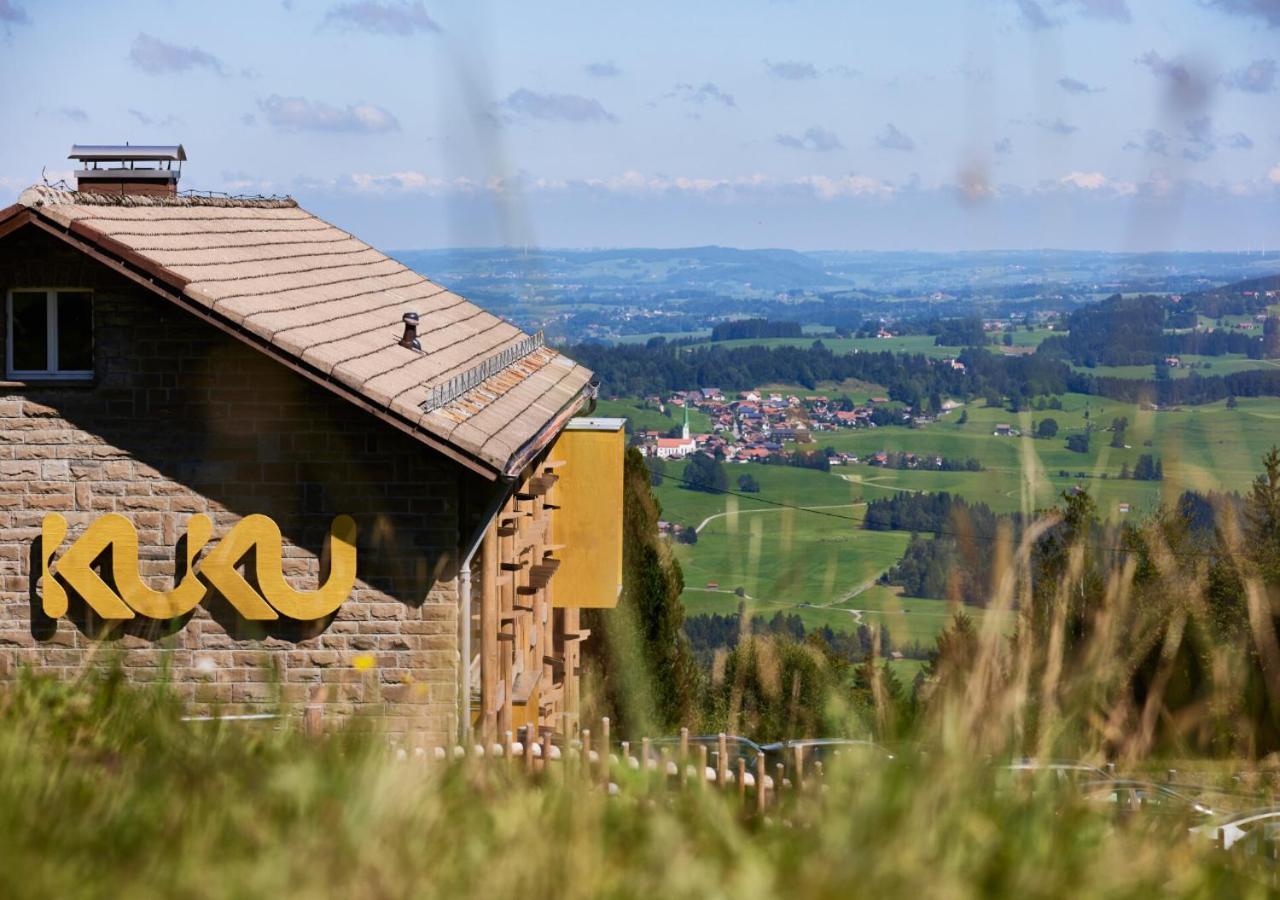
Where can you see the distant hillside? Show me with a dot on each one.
(1265, 283)
(693, 267)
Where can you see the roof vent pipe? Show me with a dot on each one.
(410, 338)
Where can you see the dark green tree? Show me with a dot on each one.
(642, 668)
(703, 473)
(657, 469)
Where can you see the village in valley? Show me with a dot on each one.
(757, 425)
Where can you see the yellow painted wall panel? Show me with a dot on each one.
(588, 523)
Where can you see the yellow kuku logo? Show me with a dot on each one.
(131, 596)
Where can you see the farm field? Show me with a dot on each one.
(1204, 447)
(1217, 365)
(820, 565)
(647, 419)
(810, 563)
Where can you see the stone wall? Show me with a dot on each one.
(181, 419)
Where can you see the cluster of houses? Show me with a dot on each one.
(751, 426)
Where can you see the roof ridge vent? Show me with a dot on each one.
(459, 384)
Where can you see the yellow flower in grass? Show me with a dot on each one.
(363, 662)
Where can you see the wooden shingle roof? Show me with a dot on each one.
(313, 295)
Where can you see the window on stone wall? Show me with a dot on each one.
(50, 334)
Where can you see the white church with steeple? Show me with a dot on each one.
(677, 448)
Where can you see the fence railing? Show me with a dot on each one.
(683, 763)
(459, 384)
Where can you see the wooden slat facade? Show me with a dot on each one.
(530, 637)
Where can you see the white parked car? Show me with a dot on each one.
(1252, 831)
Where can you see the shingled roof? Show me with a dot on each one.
(331, 306)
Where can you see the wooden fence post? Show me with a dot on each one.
(604, 749)
(760, 776)
(722, 760)
(702, 766)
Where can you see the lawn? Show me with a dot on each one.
(645, 418)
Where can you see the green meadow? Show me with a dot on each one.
(816, 562)
(1227, 364)
(1207, 447)
(819, 563)
(646, 418)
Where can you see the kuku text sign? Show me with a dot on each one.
(130, 596)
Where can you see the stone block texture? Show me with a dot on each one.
(183, 418)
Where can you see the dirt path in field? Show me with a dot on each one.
(772, 509)
(875, 482)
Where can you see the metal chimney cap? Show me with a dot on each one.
(410, 337)
(138, 152)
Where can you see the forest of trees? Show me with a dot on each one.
(1131, 331)
(741, 329)
(956, 562)
(911, 379)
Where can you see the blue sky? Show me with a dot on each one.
(920, 124)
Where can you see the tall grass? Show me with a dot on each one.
(105, 792)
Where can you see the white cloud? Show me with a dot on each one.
(524, 104)
(815, 138)
(1274, 175)
(1096, 181)
(1258, 77)
(12, 13)
(823, 187)
(157, 57)
(893, 139)
(301, 114)
(707, 92)
(846, 186)
(397, 19)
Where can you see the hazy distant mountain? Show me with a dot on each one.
(611, 294)
(694, 267)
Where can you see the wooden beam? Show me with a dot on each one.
(572, 656)
(509, 612)
(489, 634)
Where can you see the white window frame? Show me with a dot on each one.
(52, 373)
